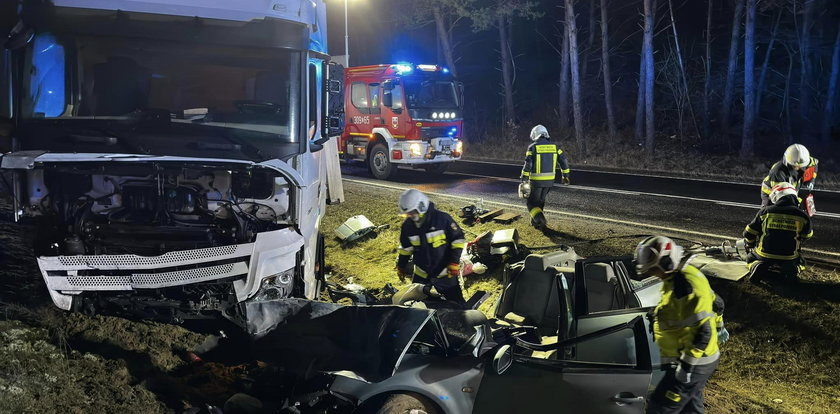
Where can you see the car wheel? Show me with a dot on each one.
(436, 169)
(380, 164)
(409, 403)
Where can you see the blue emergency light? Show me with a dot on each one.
(403, 68)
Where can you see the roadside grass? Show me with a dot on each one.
(783, 357)
(671, 158)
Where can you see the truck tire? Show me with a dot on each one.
(380, 164)
(408, 403)
(436, 169)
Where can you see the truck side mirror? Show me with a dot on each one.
(387, 98)
(334, 101)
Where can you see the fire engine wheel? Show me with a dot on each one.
(380, 164)
(436, 169)
(407, 403)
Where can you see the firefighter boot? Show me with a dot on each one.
(539, 222)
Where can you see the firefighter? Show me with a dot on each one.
(776, 233)
(435, 242)
(542, 160)
(688, 322)
(797, 167)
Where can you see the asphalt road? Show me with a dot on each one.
(704, 209)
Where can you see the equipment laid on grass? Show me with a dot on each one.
(355, 228)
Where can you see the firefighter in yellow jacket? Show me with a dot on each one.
(542, 160)
(686, 326)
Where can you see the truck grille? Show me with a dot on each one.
(176, 258)
(150, 280)
(434, 132)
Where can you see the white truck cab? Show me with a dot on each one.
(170, 152)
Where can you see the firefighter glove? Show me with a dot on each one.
(452, 269)
(723, 335)
(566, 180)
(681, 374)
(402, 273)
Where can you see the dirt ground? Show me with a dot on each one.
(783, 356)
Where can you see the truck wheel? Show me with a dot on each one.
(408, 403)
(380, 164)
(436, 169)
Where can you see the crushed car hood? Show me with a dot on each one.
(306, 336)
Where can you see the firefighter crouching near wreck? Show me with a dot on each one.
(776, 233)
(688, 322)
(797, 167)
(435, 242)
(542, 160)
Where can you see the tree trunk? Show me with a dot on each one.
(640, 96)
(759, 90)
(749, 77)
(730, 71)
(830, 98)
(787, 125)
(443, 39)
(564, 83)
(805, 72)
(510, 112)
(648, 40)
(590, 43)
(605, 68)
(707, 82)
(571, 30)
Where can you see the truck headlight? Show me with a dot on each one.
(415, 149)
(276, 286)
(434, 115)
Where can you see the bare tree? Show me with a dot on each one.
(590, 42)
(707, 81)
(650, 138)
(564, 82)
(605, 68)
(571, 30)
(728, 90)
(443, 37)
(683, 77)
(504, 47)
(749, 88)
(805, 72)
(759, 90)
(831, 96)
(640, 97)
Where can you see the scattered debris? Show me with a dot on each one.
(507, 218)
(357, 227)
(486, 217)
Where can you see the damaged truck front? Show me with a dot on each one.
(170, 153)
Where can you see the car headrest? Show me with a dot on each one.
(534, 262)
(601, 272)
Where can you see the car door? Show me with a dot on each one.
(536, 385)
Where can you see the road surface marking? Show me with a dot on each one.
(585, 216)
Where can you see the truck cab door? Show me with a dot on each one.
(394, 112)
(536, 385)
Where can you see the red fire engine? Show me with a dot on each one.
(402, 114)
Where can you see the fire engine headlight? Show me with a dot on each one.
(434, 115)
(459, 147)
(415, 149)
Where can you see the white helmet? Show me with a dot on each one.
(781, 190)
(657, 251)
(537, 132)
(797, 155)
(413, 200)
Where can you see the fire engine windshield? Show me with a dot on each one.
(429, 93)
(111, 77)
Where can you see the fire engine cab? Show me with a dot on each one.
(402, 114)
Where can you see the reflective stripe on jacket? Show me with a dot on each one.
(438, 242)
(779, 229)
(685, 325)
(542, 159)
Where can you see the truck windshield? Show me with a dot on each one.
(99, 77)
(428, 93)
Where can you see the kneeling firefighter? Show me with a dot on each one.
(776, 233)
(687, 326)
(542, 160)
(434, 241)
